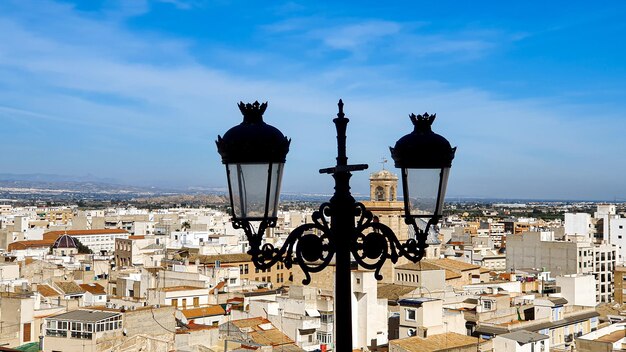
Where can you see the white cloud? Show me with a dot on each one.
(140, 88)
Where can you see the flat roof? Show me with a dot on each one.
(523, 337)
(417, 301)
(90, 316)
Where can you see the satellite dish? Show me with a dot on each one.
(411, 332)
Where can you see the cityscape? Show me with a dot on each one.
(213, 176)
(496, 277)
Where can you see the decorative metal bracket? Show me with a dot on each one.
(312, 245)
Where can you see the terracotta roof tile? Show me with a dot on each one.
(439, 342)
(454, 265)
(194, 313)
(30, 244)
(47, 291)
(69, 287)
(94, 289)
(56, 234)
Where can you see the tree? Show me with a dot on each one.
(82, 249)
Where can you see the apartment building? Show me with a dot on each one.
(573, 255)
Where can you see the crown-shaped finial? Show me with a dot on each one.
(252, 113)
(423, 123)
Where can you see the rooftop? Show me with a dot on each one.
(94, 289)
(393, 292)
(55, 234)
(203, 312)
(90, 316)
(47, 291)
(416, 301)
(423, 265)
(69, 287)
(181, 288)
(452, 264)
(433, 343)
(523, 337)
(613, 336)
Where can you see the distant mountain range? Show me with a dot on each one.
(64, 187)
(61, 187)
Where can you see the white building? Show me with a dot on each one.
(578, 224)
(617, 236)
(521, 341)
(578, 290)
(608, 338)
(605, 212)
(311, 312)
(421, 316)
(97, 240)
(95, 294)
(534, 249)
(181, 297)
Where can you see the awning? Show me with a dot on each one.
(306, 331)
(312, 312)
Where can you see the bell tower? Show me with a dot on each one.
(384, 204)
(383, 187)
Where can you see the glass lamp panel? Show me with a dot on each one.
(248, 183)
(445, 172)
(276, 176)
(423, 190)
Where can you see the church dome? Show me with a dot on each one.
(65, 241)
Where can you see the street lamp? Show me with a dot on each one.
(424, 158)
(254, 154)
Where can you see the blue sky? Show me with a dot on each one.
(531, 93)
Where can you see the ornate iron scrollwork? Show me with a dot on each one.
(371, 249)
(310, 245)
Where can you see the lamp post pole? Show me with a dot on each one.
(342, 223)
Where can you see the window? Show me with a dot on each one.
(410, 314)
(326, 317)
(324, 338)
(380, 194)
(487, 305)
(196, 301)
(175, 303)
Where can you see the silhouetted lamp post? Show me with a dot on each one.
(254, 154)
